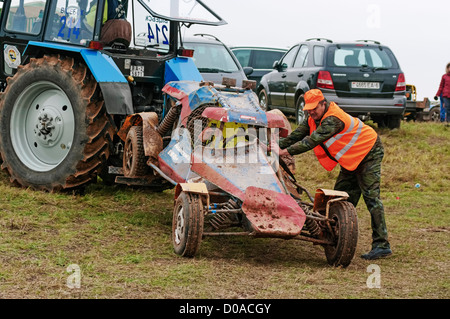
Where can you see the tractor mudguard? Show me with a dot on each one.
(115, 88)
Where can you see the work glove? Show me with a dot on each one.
(435, 98)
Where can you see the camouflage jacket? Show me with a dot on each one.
(299, 141)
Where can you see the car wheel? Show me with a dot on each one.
(435, 115)
(263, 100)
(393, 122)
(299, 113)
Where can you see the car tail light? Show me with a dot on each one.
(401, 83)
(324, 80)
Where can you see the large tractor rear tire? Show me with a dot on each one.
(54, 130)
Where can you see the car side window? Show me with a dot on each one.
(318, 55)
(289, 57)
(243, 57)
(302, 57)
(264, 59)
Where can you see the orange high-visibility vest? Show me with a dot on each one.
(348, 147)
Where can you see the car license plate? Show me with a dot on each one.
(365, 85)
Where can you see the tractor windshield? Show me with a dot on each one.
(71, 21)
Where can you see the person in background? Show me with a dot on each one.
(338, 138)
(444, 92)
(442, 109)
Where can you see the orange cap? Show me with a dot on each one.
(312, 98)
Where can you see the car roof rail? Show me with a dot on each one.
(208, 35)
(320, 39)
(367, 41)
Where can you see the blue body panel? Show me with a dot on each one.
(178, 153)
(180, 69)
(241, 108)
(237, 165)
(101, 65)
(226, 168)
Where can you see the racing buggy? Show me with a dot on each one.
(227, 182)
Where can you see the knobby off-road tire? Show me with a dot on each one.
(187, 224)
(346, 234)
(54, 130)
(134, 159)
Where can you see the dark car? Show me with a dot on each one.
(362, 77)
(215, 60)
(261, 59)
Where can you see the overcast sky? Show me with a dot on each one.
(417, 31)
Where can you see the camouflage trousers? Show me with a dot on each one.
(365, 181)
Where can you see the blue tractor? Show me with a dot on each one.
(71, 73)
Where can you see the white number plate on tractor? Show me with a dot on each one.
(365, 85)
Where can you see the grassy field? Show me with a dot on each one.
(120, 239)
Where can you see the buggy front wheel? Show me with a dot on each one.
(187, 224)
(345, 234)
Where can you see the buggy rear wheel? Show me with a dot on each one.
(134, 160)
(345, 237)
(187, 224)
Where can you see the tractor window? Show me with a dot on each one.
(72, 21)
(149, 31)
(25, 16)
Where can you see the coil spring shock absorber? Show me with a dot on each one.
(169, 119)
(225, 215)
(310, 224)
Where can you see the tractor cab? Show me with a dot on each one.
(140, 27)
(81, 21)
